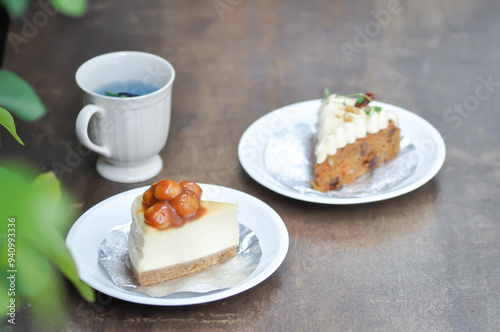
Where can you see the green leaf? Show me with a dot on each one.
(48, 183)
(7, 121)
(76, 8)
(111, 94)
(41, 216)
(378, 109)
(360, 99)
(29, 263)
(47, 197)
(48, 304)
(15, 8)
(49, 204)
(327, 92)
(52, 245)
(19, 97)
(37, 283)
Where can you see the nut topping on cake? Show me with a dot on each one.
(170, 204)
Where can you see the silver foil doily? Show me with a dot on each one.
(113, 256)
(290, 159)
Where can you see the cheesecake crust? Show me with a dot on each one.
(179, 270)
(356, 159)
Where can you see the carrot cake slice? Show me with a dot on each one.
(353, 138)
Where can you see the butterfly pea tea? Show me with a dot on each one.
(126, 88)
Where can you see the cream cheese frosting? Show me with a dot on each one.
(341, 123)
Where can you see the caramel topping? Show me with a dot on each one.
(168, 204)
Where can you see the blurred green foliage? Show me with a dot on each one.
(40, 207)
(18, 97)
(75, 8)
(43, 214)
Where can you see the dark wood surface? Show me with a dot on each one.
(428, 260)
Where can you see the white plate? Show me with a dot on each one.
(251, 150)
(89, 230)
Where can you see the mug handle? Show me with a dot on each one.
(82, 125)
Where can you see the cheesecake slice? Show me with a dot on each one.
(353, 138)
(208, 237)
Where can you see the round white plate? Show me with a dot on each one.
(251, 150)
(89, 230)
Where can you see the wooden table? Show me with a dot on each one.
(428, 260)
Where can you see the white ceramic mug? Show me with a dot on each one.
(128, 133)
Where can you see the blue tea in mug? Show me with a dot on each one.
(126, 88)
